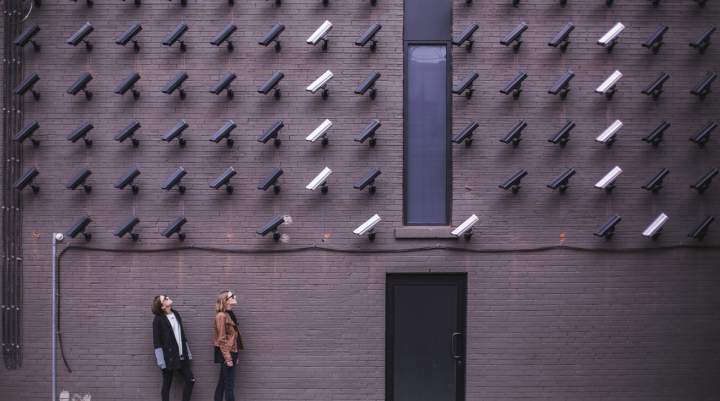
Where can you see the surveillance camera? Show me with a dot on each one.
(175, 228)
(466, 135)
(515, 36)
(129, 132)
(608, 181)
(369, 36)
(514, 136)
(129, 84)
(127, 228)
(272, 227)
(515, 85)
(655, 228)
(272, 36)
(609, 40)
(224, 180)
(562, 39)
(607, 230)
(656, 136)
(27, 84)
(655, 41)
(320, 181)
(465, 228)
(609, 136)
(81, 36)
(701, 230)
(368, 180)
(176, 132)
(81, 133)
(27, 179)
(80, 227)
(272, 133)
(369, 133)
(703, 136)
(271, 84)
(321, 83)
(608, 87)
(129, 35)
(224, 36)
(368, 84)
(655, 89)
(702, 42)
(513, 183)
(174, 180)
(320, 132)
(368, 227)
(563, 136)
(26, 133)
(562, 86)
(702, 88)
(465, 37)
(561, 182)
(175, 36)
(271, 181)
(224, 84)
(224, 133)
(704, 182)
(80, 180)
(655, 183)
(466, 85)
(27, 36)
(176, 84)
(320, 34)
(81, 85)
(129, 179)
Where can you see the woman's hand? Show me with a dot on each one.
(229, 364)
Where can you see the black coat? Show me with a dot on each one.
(167, 352)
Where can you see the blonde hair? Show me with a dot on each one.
(221, 301)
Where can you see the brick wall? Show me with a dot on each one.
(541, 325)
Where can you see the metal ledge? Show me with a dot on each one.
(423, 232)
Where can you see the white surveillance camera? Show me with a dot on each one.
(368, 227)
(320, 132)
(608, 136)
(320, 180)
(610, 38)
(608, 181)
(320, 33)
(321, 82)
(466, 227)
(607, 88)
(654, 229)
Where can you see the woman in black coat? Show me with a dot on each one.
(171, 349)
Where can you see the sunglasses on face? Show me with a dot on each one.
(163, 298)
(231, 296)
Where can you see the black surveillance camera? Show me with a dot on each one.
(655, 41)
(224, 180)
(224, 133)
(27, 36)
(514, 136)
(80, 180)
(701, 230)
(656, 136)
(466, 135)
(129, 179)
(271, 181)
(466, 85)
(704, 182)
(174, 180)
(561, 40)
(26, 133)
(224, 84)
(368, 180)
(129, 132)
(655, 183)
(368, 84)
(176, 35)
(80, 227)
(607, 230)
(127, 228)
(175, 228)
(563, 136)
(81, 85)
(27, 179)
(272, 133)
(702, 42)
(513, 183)
(369, 36)
(81, 36)
(271, 85)
(369, 133)
(515, 85)
(702, 88)
(514, 38)
(465, 37)
(176, 84)
(272, 227)
(128, 36)
(27, 84)
(562, 86)
(655, 89)
(176, 133)
(129, 84)
(81, 133)
(272, 36)
(224, 36)
(561, 182)
(703, 136)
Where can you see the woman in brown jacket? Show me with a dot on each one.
(227, 344)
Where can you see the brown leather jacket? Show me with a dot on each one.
(227, 336)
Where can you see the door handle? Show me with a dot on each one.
(454, 345)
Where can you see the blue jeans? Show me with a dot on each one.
(226, 382)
